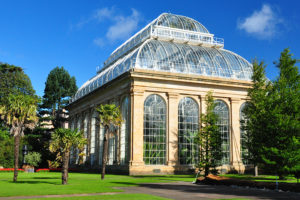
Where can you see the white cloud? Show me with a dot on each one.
(123, 26)
(262, 24)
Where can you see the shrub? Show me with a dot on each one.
(33, 158)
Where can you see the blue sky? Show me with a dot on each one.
(80, 35)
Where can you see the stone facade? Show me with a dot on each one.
(137, 85)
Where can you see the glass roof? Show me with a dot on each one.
(180, 22)
(173, 57)
(165, 20)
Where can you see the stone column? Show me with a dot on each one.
(137, 132)
(235, 131)
(172, 158)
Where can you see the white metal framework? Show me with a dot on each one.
(188, 127)
(154, 130)
(124, 136)
(243, 136)
(171, 43)
(222, 110)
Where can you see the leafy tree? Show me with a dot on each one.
(33, 158)
(256, 114)
(18, 113)
(60, 86)
(110, 116)
(281, 152)
(61, 143)
(209, 138)
(6, 149)
(13, 80)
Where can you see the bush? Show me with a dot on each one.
(6, 149)
(33, 158)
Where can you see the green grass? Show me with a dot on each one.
(111, 197)
(261, 178)
(30, 184)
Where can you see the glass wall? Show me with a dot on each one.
(243, 136)
(85, 133)
(124, 131)
(221, 109)
(93, 137)
(111, 150)
(188, 127)
(154, 130)
(101, 139)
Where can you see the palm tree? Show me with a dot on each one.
(110, 116)
(19, 112)
(61, 142)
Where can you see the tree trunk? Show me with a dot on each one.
(16, 158)
(255, 170)
(65, 168)
(105, 150)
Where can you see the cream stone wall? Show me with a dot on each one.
(172, 87)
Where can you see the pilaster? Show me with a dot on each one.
(235, 131)
(137, 140)
(172, 158)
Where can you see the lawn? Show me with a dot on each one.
(261, 178)
(48, 183)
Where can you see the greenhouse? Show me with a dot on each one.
(159, 77)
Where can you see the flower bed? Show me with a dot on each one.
(56, 170)
(10, 170)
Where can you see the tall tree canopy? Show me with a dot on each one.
(60, 86)
(209, 138)
(282, 150)
(18, 105)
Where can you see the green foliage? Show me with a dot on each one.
(282, 150)
(273, 116)
(33, 158)
(109, 114)
(256, 113)
(13, 80)
(6, 149)
(63, 139)
(60, 86)
(209, 138)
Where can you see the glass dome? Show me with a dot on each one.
(179, 22)
(171, 43)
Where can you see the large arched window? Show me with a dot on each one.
(124, 131)
(221, 109)
(243, 136)
(188, 127)
(93, 137)
(154, 130)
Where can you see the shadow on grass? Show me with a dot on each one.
(33, 182)
(46, 177)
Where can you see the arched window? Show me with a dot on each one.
(124, 131)
(93, 137)
(154, 130)
(101, 139)
(188, 127)
(221, 109)
(85, 133)
(243, 136)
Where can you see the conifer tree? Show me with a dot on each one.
(60, 86)
(281, 150)
(256, 114)
(209, 138)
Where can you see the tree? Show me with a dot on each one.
(209, 138)
(281, 152)
(256, 113)
(60, 86)
(61, 142)
(19, 112)
(110, 116)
